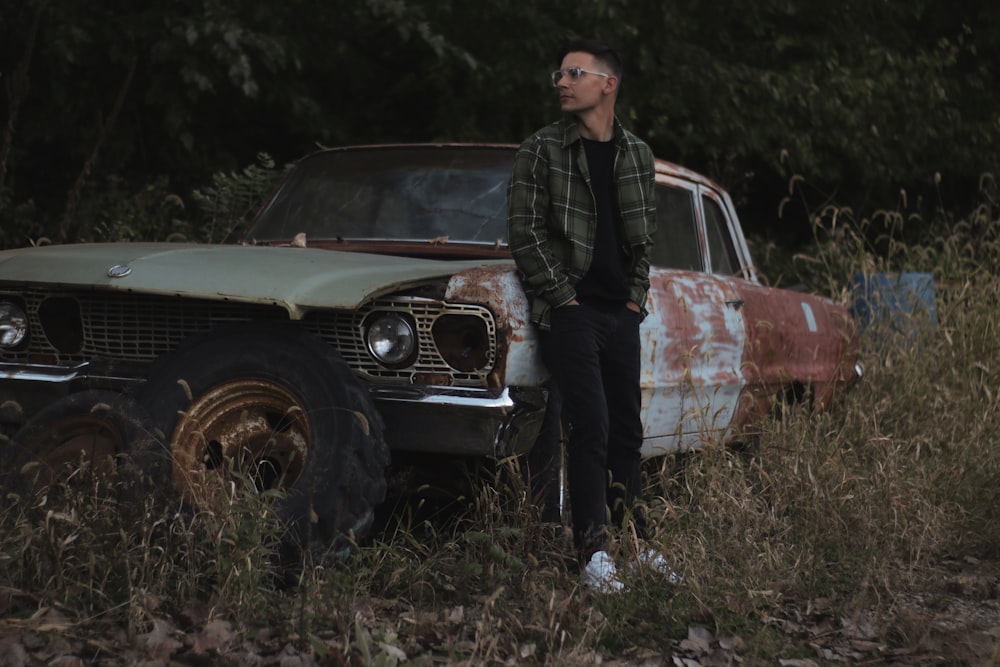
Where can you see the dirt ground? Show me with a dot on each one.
(950, 617)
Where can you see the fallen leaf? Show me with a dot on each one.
(66, 661)
(457, 615)
(699, 640)
(730, 643)
(214, 637)
(12, 651)
(159, 644)
(392, 651)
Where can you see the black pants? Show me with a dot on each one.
(594, 359)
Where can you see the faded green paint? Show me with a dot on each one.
(300, 279)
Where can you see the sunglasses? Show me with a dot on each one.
(573, 74)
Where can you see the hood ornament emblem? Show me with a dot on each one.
(119, 271)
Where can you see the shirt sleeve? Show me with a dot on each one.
(639, 286)
(527, 226)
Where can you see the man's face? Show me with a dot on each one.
(589, 90)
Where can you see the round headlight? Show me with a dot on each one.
(392, 339)
(13, 325)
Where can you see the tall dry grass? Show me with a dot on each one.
(845, 512)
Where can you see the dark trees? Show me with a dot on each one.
(104, 112)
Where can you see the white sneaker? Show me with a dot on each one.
(601, 575)
(655, 561)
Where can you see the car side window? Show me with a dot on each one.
(723, 255)
(675, 245)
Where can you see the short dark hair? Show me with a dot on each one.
(602, 52)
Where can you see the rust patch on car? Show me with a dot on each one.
(498, 287)
(692, 349)
(805, 347)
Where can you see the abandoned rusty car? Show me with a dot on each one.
(372, 308)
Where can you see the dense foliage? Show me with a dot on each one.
(107, 113)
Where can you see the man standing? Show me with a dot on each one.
(581, 214)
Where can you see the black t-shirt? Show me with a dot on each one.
(605, 283)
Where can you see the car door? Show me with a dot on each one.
(694, 336)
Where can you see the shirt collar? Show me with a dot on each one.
(571, 131)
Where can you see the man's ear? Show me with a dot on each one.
(611, 85)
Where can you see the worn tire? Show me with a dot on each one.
(103, 429)
(284, 409)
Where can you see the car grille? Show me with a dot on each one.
(344, 332)
(79, 327)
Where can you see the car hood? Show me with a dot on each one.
(299, 279)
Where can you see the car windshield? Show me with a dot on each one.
(453, 194)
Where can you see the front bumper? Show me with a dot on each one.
(441, 420)
(26, 389)
(461, 421)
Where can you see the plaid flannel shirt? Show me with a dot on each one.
(551, 215)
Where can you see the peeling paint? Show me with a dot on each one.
(716, 350)
(795, 341)
(498, 287)
(693, 344)
(810, 318)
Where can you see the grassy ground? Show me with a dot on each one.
(864, 535)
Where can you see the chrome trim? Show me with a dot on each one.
(116, 375)
(119, 271)
(464, 421)
(345, 333)
(41, 373)
(489, 399)
(459, 420)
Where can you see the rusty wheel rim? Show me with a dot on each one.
(76, 452)
(247, 430)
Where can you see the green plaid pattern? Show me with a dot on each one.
(551, 218)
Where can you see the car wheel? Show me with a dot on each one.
(278, 409)
(79, 443)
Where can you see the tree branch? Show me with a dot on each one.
(17, 91)
(73, 198)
